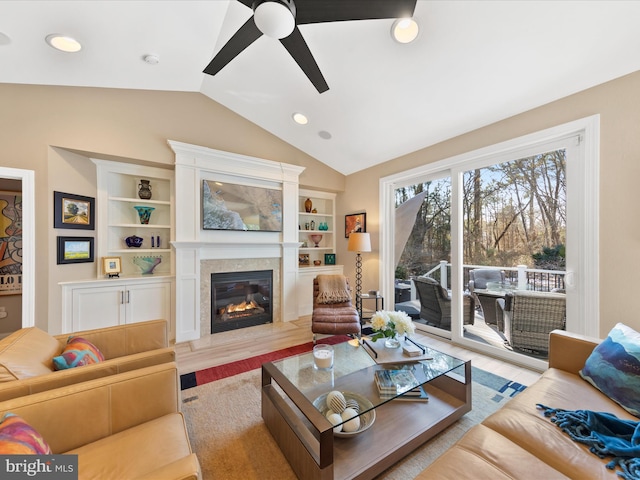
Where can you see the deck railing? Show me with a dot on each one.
(523, 277)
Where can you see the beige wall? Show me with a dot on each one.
(617, 102)
(41, 126)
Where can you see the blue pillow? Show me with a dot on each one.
(614, 368)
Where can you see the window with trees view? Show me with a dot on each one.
(514, 213)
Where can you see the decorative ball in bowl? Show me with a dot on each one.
(343, 410)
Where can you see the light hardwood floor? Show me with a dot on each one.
(236, 345)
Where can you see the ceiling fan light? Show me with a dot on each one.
(405, 30)
(63, 43)
(274, 19)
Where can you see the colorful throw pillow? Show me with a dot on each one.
(614, 368)
(17, 437)
(76, 353)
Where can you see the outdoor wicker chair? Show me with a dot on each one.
(435, 303)
(479, 278)
(526, 318)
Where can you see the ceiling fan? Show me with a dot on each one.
(280, 19)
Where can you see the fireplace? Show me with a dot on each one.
(241, 299)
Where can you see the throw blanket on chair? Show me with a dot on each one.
(333, 289)
(605, 434)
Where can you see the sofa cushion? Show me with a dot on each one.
(614, 367)
(76, 353)
(139, 450)
(27, 353)
(17, 437)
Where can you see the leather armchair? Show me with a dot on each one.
(333, 318)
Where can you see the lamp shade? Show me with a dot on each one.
(359, 242)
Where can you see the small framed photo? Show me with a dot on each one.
(355, 222)
(75, 250)
(73, 211)
(329, 258)
(303, 259)
(112, 266)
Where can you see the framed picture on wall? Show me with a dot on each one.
(10, 243)
(355, 222)
(73, 211)
(75, 250)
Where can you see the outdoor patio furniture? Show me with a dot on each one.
(435, 303)
(479, 278)
(526, 318)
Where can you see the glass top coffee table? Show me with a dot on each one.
(306, 438)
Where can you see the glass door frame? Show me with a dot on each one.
(582, 137)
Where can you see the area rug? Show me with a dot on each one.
(231, 441)
(190, 380)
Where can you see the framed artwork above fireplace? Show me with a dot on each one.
(229, 206)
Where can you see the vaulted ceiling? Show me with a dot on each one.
(473, 63)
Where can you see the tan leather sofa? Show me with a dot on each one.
(27, 356)
(122, 427)
(519, 442)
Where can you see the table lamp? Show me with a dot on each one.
(359, 242)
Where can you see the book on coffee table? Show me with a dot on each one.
(418, 394)
(394, 382)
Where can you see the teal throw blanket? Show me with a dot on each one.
(605, 434)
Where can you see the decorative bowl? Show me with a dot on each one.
(133, 241)
(366, 419)
(315, 238)
(317, 262)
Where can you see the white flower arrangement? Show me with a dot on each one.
(387, 324)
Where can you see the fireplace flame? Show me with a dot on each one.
(243, 309)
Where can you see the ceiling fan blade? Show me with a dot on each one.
(319, 11)
(245, 36)
(299, 50)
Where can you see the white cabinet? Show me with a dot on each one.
(117, 217)
(319, 221)
(106, 303)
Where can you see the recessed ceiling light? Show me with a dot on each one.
(151, 59)
(324, 134)
(63, 43)
(404, 30)
(300, 118)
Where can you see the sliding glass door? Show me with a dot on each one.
(492, 249)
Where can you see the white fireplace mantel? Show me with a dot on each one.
(193, 245)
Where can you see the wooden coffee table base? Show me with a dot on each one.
(400, 428)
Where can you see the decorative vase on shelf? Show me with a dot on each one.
(316, 238)
(144, 189)
(133, 241)
(147, 264)
(144, 213)
(308, 204)
(392, 342)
